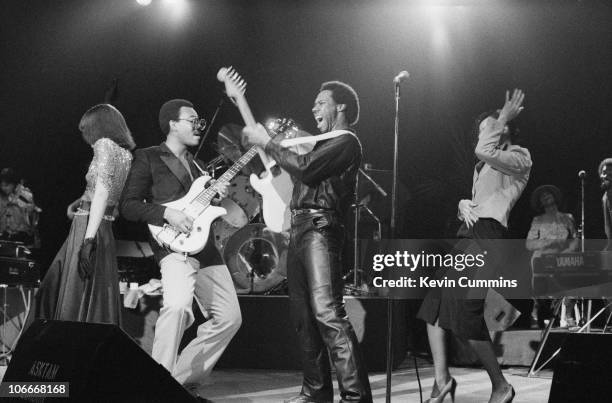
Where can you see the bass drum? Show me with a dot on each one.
(242, 205)
(257, 258)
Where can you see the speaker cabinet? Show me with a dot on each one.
(100, 362)
(582, 371)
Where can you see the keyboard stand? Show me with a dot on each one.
(586, 328)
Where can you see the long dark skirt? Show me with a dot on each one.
(464, 317)
(64, 296)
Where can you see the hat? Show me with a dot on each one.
(552, 189)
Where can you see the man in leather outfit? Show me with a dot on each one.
(324, 188)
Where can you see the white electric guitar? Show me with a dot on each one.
(196, 203)
(275, 188)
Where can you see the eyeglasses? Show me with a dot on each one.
(198, 124)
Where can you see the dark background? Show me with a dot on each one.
(58, 58)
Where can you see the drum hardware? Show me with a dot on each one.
(15, 271)
(358, 286)
(367, 167)
(214, 164)
(257, 258)
(4, 353)
(26, 295)
(242, 204)
(14, 249)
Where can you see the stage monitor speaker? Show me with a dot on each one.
(582, 371)
(100, 362)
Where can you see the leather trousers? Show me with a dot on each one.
(314, 274)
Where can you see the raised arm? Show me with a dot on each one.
(330, 158)
(515, 161)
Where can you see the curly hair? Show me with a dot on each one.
(343, 93)
(170, 111)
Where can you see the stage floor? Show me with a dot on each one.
(264, 386)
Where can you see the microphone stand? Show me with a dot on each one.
(212, 121)
(589, 302)
(390, 304)
(581, 213)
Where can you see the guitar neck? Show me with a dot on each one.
(206, 196)
(245, 112)
(249, 120)
(238, 165)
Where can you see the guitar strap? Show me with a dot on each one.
(313, 139)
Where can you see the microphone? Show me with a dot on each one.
(401, 76)
(582, 174)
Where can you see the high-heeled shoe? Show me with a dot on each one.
(448, 388)
(507, 397)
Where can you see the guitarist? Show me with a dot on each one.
(162, 174)
(323, 192)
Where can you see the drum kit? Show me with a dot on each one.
(255, 256)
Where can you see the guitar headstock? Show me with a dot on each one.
(235, 86)
(285, 126)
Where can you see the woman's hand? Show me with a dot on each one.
(512, 107)
(72, 209)
(466, 212)
(87, 258)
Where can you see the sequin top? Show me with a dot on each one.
(111, 165)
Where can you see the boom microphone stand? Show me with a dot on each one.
(355, 289)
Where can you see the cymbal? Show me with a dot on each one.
(229, 146)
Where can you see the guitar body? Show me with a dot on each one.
(204, 215)
(276, 192)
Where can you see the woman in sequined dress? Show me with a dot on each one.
(81, 283)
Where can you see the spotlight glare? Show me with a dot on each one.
(143, 2)
(177, 7)
(175, 3)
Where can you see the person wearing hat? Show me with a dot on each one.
(552, 231)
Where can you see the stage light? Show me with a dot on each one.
(178, 7)
(143, 2)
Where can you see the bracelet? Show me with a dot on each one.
(87, 241)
